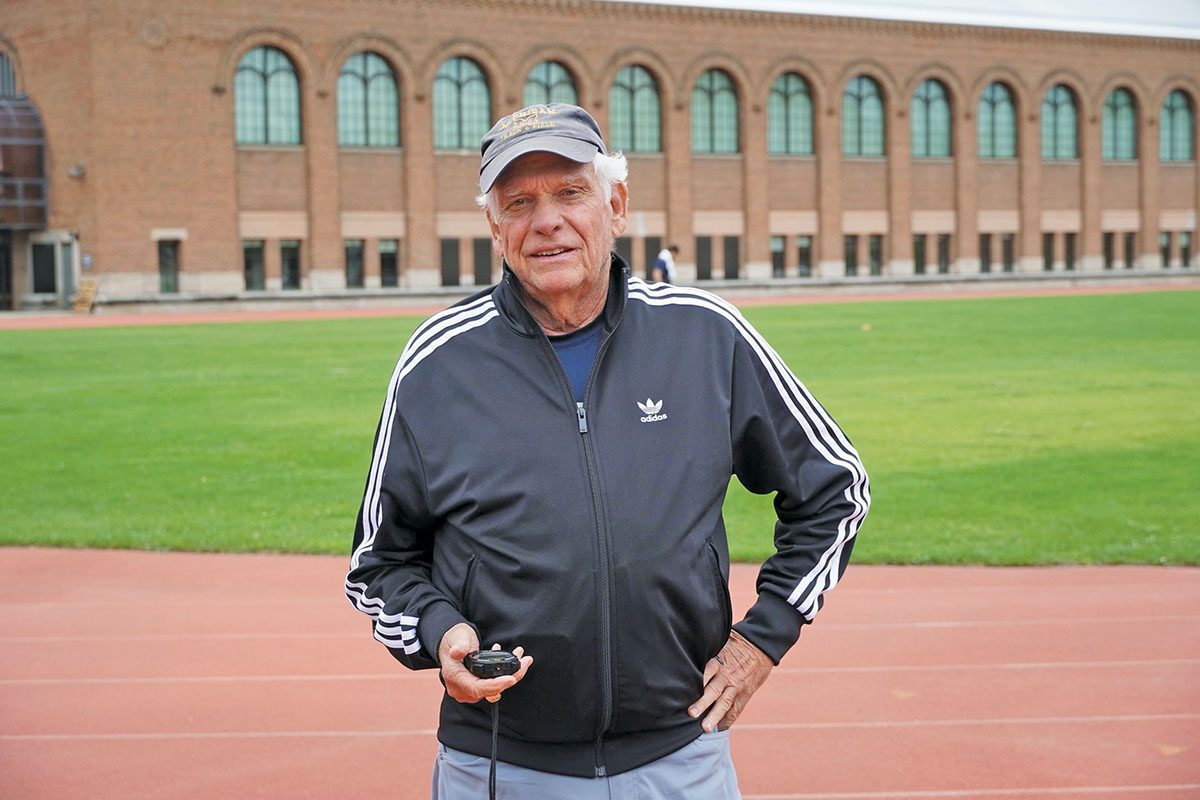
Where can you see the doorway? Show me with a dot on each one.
(6, 282)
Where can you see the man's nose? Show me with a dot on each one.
(546, 215)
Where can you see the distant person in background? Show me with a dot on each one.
(664, 267)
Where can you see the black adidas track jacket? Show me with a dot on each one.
(591, 534)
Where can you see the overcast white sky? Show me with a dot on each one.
(1174, 18)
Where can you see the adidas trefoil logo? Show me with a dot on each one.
(651, 409)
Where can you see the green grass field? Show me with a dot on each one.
(997, 431)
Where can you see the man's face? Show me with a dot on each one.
(553, 225)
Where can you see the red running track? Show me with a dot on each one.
(129, 675)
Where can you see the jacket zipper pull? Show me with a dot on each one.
(581, 413)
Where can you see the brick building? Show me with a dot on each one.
(165, 147)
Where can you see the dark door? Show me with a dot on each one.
(44, 278)
(6, 296)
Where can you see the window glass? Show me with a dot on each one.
(931, 121)
(804, 251)
(919, 258)
(862, 118)
(450, 265)
(354, 263)
(875, 253)
(997, 123)
(733, 247)
(714, 114)
(634, 116)
(1060, 130)
(389, 262)
(368, 103)
(252, 264)
(704, 257)
(267, 98)
(168, 266)
(1175, 131)
(8, 78)
(550, 82)
(1119, 129)
(461, 105)
(289, 263)
(850, 249)
(789, 117)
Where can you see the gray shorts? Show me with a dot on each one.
(702, 769)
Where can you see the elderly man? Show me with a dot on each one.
(544, 481)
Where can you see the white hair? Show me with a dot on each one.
(611, 169)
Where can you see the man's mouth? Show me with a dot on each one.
(550, 252)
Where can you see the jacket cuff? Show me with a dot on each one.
(772, 625)
(436, 619)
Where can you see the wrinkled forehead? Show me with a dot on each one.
(542, 168)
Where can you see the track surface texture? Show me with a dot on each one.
(131, 675)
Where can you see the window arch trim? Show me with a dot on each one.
(1119, 118)
(629, 141)
(463, 138)
(875, 103)
(268, 118)
(794, 139)
(572, 80)
(936, 118)
(717, 89)
(371, 113)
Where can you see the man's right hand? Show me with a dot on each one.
(461, 685)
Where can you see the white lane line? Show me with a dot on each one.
(1012, 665)
(173, 637)
(401, 674)
(932, 624)
(170, 735)
(963, 723)
(1000, 623)
(952, 793)
(741, 727)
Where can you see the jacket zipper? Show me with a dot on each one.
(604, 550)
(604, 573)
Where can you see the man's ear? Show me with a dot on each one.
(497, 246)
(620, 208)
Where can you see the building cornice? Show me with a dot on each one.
(822, 22)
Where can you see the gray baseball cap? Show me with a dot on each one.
(558, 128)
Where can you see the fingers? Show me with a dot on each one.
(730, 680)
(464, 687)
(711, 669)
(712, 689)
(724, 711)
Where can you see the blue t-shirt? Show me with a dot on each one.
(577, 352)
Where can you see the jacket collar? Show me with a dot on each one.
(509, 297)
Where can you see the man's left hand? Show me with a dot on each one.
(730, 680)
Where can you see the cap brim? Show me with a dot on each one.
(567, 147)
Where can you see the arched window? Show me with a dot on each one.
(997, 123)
(1176, 137)
(550, 82)
(714, 114)
(8, 78)
(862, 118)
(1120, 127)
(1060, 128)
(790, 117)
(368, 103)
(267, 98)
(462, 105)
(931, 121)
(634, 117)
